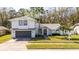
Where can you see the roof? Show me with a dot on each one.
(23, 18)
(3, 28)
(77, 24)
(51, 26)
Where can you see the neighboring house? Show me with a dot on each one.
(75, 29)
(27, 27)
(3, 30)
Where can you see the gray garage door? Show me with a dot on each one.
(23, 34)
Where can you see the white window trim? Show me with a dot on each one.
(22, 22)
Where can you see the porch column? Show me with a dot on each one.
(42, 31)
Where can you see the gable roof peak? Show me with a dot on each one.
(23, 18)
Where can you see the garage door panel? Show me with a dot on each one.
(23, 34)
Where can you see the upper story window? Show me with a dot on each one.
(22, 22)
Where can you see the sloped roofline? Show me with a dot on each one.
(53, 26)
(3, 28)
(77, 24)
(23, 18)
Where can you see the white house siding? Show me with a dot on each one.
(30, 24)
(49, 32)
(36, 31)
(37, 27)
(14, 24)
(76, 30)
(61, 32)
(33, 33)
(13, 34)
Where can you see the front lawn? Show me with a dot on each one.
(56, 39)
(5, 38)
(53, 46)
(74, 37)
(55, 42)
(51, 39)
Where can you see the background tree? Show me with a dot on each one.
(12, 13)
(22, 11)
(4, 17)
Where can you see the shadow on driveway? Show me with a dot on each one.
(23, 39)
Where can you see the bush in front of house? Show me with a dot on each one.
(39, 36)
(55, 34)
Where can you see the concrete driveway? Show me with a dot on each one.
(13, 45)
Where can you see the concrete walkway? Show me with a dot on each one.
(13, 45)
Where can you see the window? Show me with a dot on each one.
(22, 22)
(40, 31)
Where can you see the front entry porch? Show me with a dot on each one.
(42, 31)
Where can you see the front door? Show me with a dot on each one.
(45, 32)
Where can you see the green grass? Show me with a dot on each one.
(53, 46)
(55, 42)
(75, 37)
(5, 38)
(56, 39)
(51, 39)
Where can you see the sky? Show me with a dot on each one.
(16, 4)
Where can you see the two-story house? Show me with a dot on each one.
(27, 27)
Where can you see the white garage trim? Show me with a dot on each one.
(33, 32)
